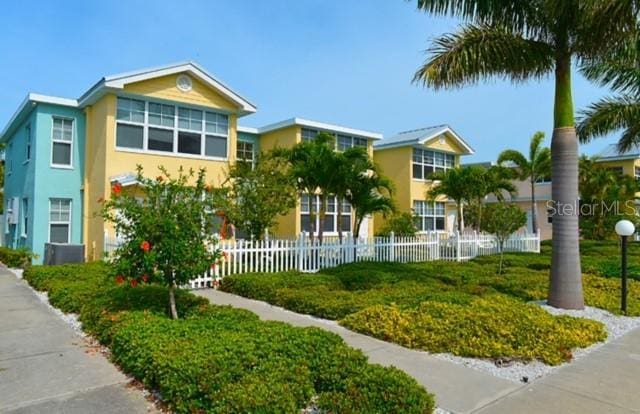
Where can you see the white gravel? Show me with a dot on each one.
(520, 372)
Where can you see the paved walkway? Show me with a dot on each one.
(45, 367)
(606, 381)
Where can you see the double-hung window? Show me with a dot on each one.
(130, 125)
(161, 123)
(62, 142)
(429, 216)
(216, 130)
(59, 220)
(343, 142)
(25, 217)
(244, 152)
(427, 162)
(309, 213)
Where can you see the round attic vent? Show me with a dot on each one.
(183, 82)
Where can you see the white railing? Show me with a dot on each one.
(306, 255)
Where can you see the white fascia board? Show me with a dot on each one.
(457, 137)
(248, 130)
(319, 125)
(27, 105)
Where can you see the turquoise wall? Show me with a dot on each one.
(40, 182)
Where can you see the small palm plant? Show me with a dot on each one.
(532, 169)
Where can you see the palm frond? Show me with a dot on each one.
(517, 158)
(481, 51)
(609, 115)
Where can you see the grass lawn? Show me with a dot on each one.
(463, 308)
(223, 360)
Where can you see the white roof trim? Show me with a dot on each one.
(248, 130)
(32, 99)
(319, 125)
(118, 82)
(616, 158)
(422, 141)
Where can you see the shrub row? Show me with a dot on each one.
(489, 327)
(223, 360)
(16, 258)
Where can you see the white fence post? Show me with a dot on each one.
(458, 246)
(392, 247)
(301, 256)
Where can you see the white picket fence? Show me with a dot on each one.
(306, 255)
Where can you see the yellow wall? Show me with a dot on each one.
(104, 161)
(396, 163)
(628, 166)
(165, 88)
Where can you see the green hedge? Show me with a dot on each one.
(223, 360)
(16, 258)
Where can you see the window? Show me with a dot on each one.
(62, 139)
(309, 209)
(617, 170)
(429, 216)
(343, 142)
(25, 217)
(637, 173)
(27, 148)
(550, 215)
(166, 128)
(9, 156)
(244, 152)
(426, 162)
(59, 220)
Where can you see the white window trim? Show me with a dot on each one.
(25, 217)
(63, 166)
(333, 215)
(27, 148)
(423, 164)
(335, 136)
(176, 129)
(433, 217)
(60, 222)
(253, 153)
(9, 157)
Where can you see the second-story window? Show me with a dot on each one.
(27, 147)
(427, 162)
(154, 127)
(62, 142)
(343, 141)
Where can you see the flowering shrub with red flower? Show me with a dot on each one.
(167, 237)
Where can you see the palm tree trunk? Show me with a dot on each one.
(459, 208)
(566, 278)
(322, 214)
(534, 209)
(339, 217)
(312, 216)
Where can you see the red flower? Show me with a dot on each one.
(117, 188)
(134, 283)
(119, 279)
(159, 179)
(225, 255)
(145, 278)
(216, 283)
(145, 246)
(213, 266)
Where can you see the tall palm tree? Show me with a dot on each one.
(621, 71)
(522, 40)
(537, 166)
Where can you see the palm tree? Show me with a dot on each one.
(369, 192)
(620, 71)
(494, 181)
(455, 184)
(348, 164)
(312, 163)
(522, 40)
(537, 166)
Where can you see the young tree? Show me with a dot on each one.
(502, 220)
(483, 182)
(530, 40)
(252, 198)
(455, 184)
(401, 224)
(532, 169)
(165, 233)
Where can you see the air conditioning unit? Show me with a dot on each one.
(61, 253)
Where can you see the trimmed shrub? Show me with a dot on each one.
(491, 327)
(224, 360)
(16, 258)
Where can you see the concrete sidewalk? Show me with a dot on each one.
(457, 388)
(45, 367)
(605, 381)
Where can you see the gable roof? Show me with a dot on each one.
(119, 81)
(318, 125)
(611, 153)
(420, 136)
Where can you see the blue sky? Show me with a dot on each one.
(347, 62)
